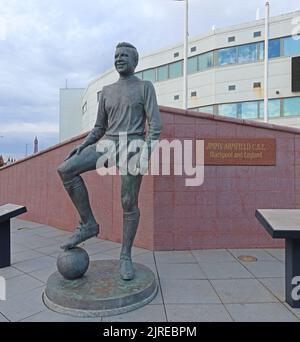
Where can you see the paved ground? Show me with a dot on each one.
(198, 285)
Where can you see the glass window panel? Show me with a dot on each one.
(175, 69)
(227, 56)
(149, 75)
(291, 106)
(273, 108)
(206, 109)
(192, 65)
(139, 75)
(206, 61)
(247, 53)
(249, 110)
(228, 109)
(274, 49)
(291, 46)
(162, 73)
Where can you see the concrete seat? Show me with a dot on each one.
(7, 212)
(285, 224)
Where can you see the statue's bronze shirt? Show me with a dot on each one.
(125, 105)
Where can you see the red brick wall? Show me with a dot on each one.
(34, 182)
(218, 214)
(221, 212)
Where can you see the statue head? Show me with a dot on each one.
(126, 58)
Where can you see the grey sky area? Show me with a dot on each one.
(42, 43)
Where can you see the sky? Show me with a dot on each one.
(45, 42)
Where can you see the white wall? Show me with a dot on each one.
(70, 113)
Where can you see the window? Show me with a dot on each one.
(291, 106)
(256, 85)
(84, 108)
(256, 34)
(291, 46)
(139, 75)
(162, 73)
(205, 61)
(176, 97)
(273, 108)
(98, 96)
(228, 109)
(192, 65)
(274, 49)
(231, 39)
(193, 49)
(176, 54)
(247, 53)
(206, 109)
(227, 56)
(231, 87)
(175, 69)
(193, 93)
(249, 110)
(149, 75)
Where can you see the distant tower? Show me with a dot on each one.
(36, 145)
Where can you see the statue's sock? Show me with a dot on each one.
(80, 198)
(130, 225)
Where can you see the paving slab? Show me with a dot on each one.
(149, 313)
(10, 272)
(238, 291)
(278, 253)
(276, 286)
(213, 255)
(49, 250)
(17, 247)
(260, 254)
(21, 284)
(174, 257)
(295, 311)
(25, 255)
(43, 274)
(50, 316)
(23, 305)
(3, 319)
(224, 270)
(181, 291)
(147, 257)
(197, 313)
(264, 269)
(176, 271)
(35, 264)
(100, 256)
(261, 312)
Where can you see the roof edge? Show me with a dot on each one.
(174, 111)
(244, 122)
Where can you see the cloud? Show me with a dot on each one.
(50, 41)
(23, 127)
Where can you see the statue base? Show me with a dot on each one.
(101, 291)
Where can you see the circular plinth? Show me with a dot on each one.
(101, 292)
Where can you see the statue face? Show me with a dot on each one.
(124, 61)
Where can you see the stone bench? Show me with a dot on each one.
(285, 224)
(7, 212)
